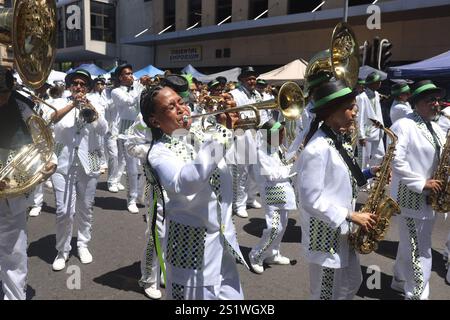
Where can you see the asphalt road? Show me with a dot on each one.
(118, 242)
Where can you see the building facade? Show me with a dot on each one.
(211, 34)
(89, 32)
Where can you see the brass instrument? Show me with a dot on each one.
(440, 202)
(379, 203)
(30, 27)
(290, 101)
(342, 59)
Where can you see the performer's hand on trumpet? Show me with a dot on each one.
(227, 119)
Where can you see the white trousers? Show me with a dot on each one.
(38, 196)
(269, 244)
(335, 284)
(229, 288)
(132, 171)
(150, 267)
(75, 193)
(244, 186)
(13, 252)
(413, 261)
(115, 166)
(372, 153)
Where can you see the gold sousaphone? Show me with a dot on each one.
(342, 59)
(30, 28)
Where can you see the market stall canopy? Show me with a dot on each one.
(189, 69)
(293, 71)
(148, 70)
(231, 75)
(437, 66)
(56, 76)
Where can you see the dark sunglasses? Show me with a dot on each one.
(433, 100)
(78, 83)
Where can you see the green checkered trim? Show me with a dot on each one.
(409, 199)
(275, 230)
(415, 260)
(326, 287)
(58, 148)
(323, 238)
(94, 160)
(186, 246)
(177, 291)
(275, 195)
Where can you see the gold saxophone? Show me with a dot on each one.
(383, 206)
(440, 202)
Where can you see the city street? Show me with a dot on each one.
(117, 245)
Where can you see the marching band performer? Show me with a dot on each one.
(126, 102)
(277, 194)
(201, 244)
(370, 137)
(15, 110)
(327, 184)
(400, 106)
(77, 147)
(419, 145)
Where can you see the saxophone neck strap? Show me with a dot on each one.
(351, 163)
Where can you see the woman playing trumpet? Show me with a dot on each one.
(78, 146)
(201, 244)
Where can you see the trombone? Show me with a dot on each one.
(290, 101)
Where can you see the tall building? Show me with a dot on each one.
(89, 32)
(226, 33)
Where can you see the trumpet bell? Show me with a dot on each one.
(30, 27)
(291, 100)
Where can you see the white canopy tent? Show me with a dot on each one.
(231, 75)
(293, 71)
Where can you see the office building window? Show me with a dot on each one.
(223, 11)
(218, 53)
(195, 13)
(358, 2)
(169, 14)
(296, 6)
(226, 52)
(103, 22)
(257, 7)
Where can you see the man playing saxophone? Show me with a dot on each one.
(15, 111)
(419, 148)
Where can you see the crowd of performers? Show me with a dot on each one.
(194, 174)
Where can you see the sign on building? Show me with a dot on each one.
(185, 54)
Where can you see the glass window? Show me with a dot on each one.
(224, 8)
(226, 52)
(256, 7)
(169, 14)
(103, 22)
(296, 6)
(195, 13)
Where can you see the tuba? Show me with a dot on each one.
(440, 202)
(30, 28)
(342, 59)
(383, 206)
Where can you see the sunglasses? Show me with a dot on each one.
(433, 100)
(78, 83)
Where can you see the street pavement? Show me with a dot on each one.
(118, 241)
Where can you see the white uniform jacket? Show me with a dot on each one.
(274, 177)
(302, 127)
(126, 104)
(369, 108)
(399, 109)
(76, 139)
(415, 162)
(20, 203)
(444, 121)
(199, 229)
(326, 191)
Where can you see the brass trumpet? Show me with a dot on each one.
(290, 102)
